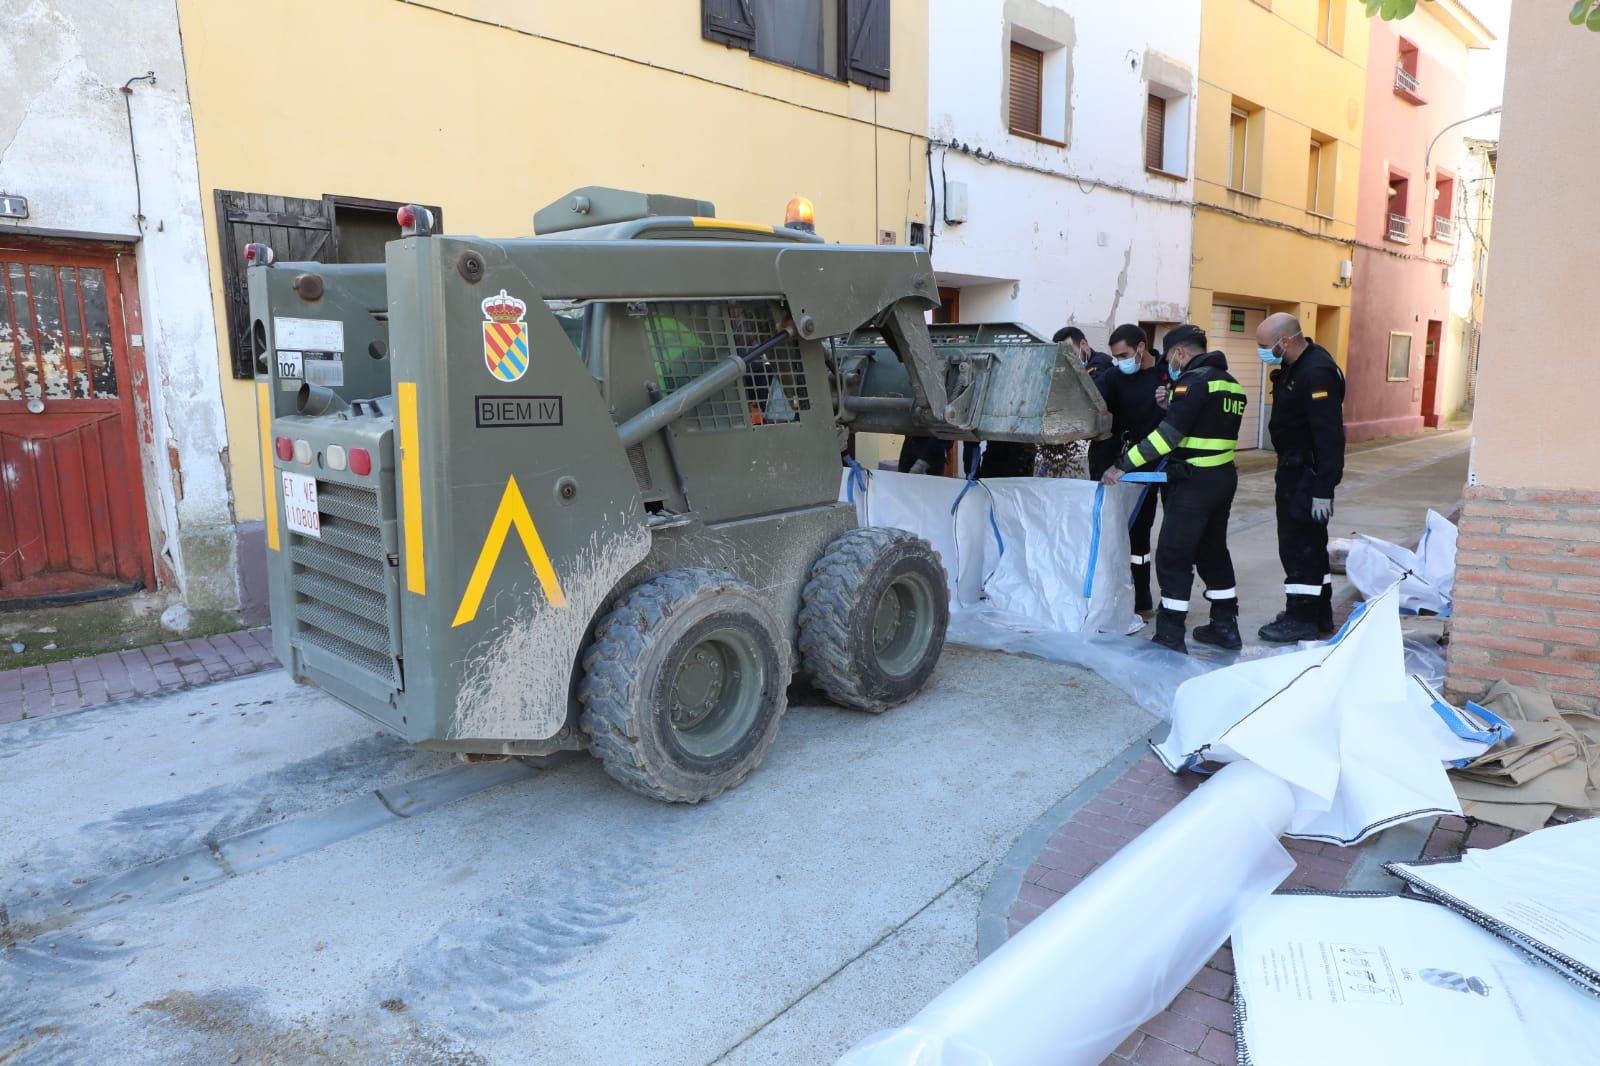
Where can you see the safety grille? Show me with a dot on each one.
(691, 338)
(342, 582)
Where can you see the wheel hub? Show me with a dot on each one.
(716, 693)
(902, 623)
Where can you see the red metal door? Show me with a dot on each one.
(72, 514)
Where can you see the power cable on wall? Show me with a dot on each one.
(133, 151)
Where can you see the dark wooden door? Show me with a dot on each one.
(72, 513)
(1430, 377)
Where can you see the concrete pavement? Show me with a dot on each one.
(250, 872)
(1386, 492)
(208, 877)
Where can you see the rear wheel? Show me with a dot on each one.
(873, 618)
(683, 687)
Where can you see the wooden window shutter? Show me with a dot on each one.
(1155, 132)
(728, 22)
(867, 23)
(1027, 81)
(297, 230)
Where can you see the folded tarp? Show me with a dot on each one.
(1341, 722)
(1427, 576)
(1538, 893)
(1549, 767)
(1333, 981)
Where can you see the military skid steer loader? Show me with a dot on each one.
(581, 490)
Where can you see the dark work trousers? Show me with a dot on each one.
(1139, 549)
(1303, 549)
(1194, 537)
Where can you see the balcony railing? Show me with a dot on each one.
(1405, 81)
(1444, 229)
(1400, 229)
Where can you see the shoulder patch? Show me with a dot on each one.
(1180, 390)
(1320, 394)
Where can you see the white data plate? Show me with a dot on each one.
(300, 505)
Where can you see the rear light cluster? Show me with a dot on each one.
(357, 460)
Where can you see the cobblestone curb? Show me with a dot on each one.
(96, 680)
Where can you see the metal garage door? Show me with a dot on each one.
(1233, 332)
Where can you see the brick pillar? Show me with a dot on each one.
(1527, 595)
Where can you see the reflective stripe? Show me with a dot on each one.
(1303, 590)
(1138, 560)
(1222, 594)
(1159, 442)
(1222, 459)
(1209, 444)
(1227, 386)
(1174, 605)
(1134, 457)
(1327, 579)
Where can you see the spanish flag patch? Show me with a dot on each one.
(1181, 389)
(1320, 394)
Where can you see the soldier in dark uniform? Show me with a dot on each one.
(1198, 438)
(1131, 393)
(1307, 429)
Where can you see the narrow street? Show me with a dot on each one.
(272, 880)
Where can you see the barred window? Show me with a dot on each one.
(690, 338)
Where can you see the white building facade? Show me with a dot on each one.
(112, 441)
(1061, 162)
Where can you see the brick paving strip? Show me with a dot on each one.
(95, 680)
(1089, 826)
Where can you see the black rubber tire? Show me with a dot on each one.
(629, 671)
(837, 611)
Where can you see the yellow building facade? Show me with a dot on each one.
(490, 109)
(1277, 159)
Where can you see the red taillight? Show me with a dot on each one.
(285, 448)
(406, 216)
(360, 461)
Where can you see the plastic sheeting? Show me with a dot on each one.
(1427, 576)
(1051, 551)
(1037, 566)
(1331, 981)
(1538, 893)
(1118, 948)
(1362, 748)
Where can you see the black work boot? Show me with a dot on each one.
(1142, 603)
(1170, 627)
(1223, 629)
(1325, 625)
(1298, 623)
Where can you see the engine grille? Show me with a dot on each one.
(343, 584)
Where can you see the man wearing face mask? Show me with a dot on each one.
(1197, 437)
(1131, 392)
(1307, 429)
(1096, 363)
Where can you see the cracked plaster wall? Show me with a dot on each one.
(1052, 249)
(64, 145)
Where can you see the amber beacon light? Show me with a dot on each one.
(800, 215)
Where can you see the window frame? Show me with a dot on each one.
(1174, 131)
(1402, 179)
(1012, 125)
(1330, 31)
(1239, 151)
(862, 50)
(1411, 340)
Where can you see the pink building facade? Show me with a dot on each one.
(1406, 354)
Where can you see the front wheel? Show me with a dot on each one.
(684, 685)
(873, 618)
